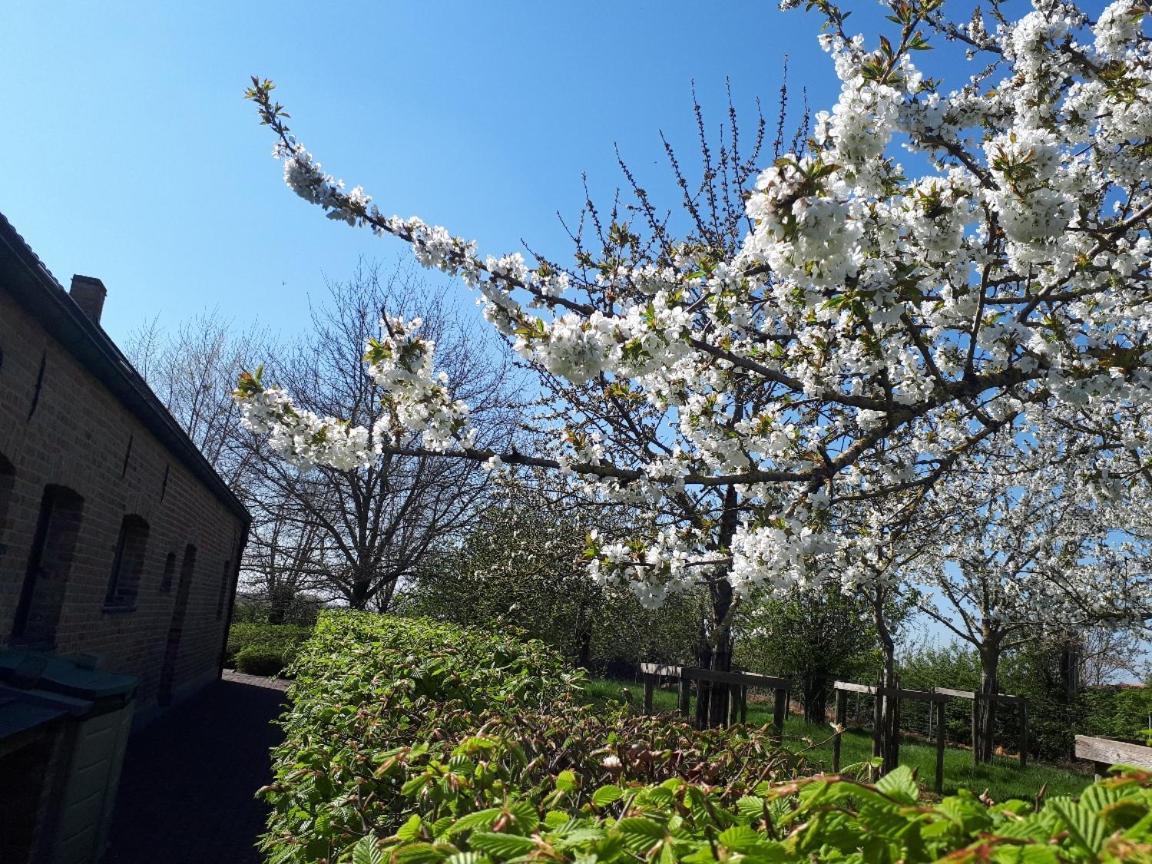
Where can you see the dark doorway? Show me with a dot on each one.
(46, 577)
(176, 628)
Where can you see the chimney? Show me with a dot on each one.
(88, 293)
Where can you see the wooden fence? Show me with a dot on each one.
(1104, 752)
(937, 702)
(652, 674)
(739, 683)
(938, 699)
(1002, 699)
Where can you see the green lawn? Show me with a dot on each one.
(1003, 779)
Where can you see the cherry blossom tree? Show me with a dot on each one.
(877, 321)
(1025, 557)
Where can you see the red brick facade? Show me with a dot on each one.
(124, 495)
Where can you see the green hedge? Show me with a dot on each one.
(263, 649)
(380, 705)
(412, 741)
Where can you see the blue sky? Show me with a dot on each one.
(129, 153)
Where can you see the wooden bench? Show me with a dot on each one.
(1104, 753)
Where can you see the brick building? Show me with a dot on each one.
(117, 538)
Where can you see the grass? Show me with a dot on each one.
(1002, 779)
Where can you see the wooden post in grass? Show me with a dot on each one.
(685, 695)
(937, 708)
(841, 722)
(1024, 742)
(780, 712)
(975, 726)
(649, 692)
(743, 704)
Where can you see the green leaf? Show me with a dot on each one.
(1085, 829)
(468, 858)
(410, 830)
(501, 845)
(368, 851)
(473, 821)
(606, 795)
(566, 781)
(419, 853)
(741, 838)
(900, 785)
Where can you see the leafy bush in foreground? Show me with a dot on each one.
(814, 820)
(380, 706)
(417, 742)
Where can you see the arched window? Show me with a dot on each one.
(128, 564)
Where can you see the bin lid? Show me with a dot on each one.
(19, 715)
(61, 675)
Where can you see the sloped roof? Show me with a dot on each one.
(24, 275)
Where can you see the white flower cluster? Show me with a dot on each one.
(402, 364)
(303, 437)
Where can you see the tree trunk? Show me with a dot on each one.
(983, 746)
(886, 736)
(277, 607)
(715, 650)
(584, 648)
(815, 699)
(358, 599)
(1070, 687)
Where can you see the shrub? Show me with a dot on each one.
(261, 660)
(1119, 712)
(282, 638)
(382, 707)
(815, 820)
(419, 742)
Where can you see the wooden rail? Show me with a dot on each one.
(1104, 753)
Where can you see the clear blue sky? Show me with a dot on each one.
(129, 154)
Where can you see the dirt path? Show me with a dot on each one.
(186, 794)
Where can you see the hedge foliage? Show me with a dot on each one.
(263, 649)
(384, 706)
(412, 741)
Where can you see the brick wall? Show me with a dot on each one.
(60, 426)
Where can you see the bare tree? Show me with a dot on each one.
(345, 536)
(192, 371)
(359, 532)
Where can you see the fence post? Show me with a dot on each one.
(744, 704)
(1024, 742)
(685, 695)
(780, 711)
(897, 705)
(649, 688)
(877, 731)
(975, 726)
(733, 704)
(841, 721)
(941, 727)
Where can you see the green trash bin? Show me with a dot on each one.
(76, 720)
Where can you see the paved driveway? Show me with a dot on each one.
(186, 794)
